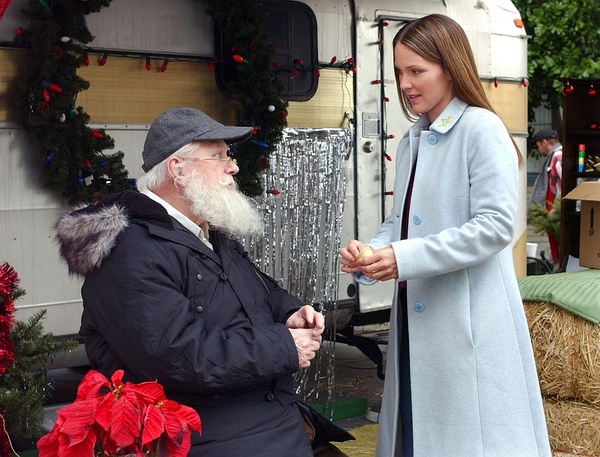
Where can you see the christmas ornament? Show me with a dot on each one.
(567, 89)
(591, 92)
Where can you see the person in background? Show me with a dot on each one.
(171, 295)
(547, 186)
(460, 377)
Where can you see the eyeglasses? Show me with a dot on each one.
(227, 159)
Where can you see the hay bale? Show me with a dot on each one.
(573, 427)
(567, 353)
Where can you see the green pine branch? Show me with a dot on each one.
(543, 221)
(25, 387)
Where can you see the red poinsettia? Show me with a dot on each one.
(120, 419)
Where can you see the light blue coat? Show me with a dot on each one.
(475, 390)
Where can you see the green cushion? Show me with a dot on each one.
(577, 292)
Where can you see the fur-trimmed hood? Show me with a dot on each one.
(87, 234)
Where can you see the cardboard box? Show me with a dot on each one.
(589, 236)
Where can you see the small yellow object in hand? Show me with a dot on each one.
(366, 252)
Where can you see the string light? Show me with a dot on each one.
(163, 67)
(148, 64)
(103, 60)
(260, 144)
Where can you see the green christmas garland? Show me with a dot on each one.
(74, 162)
(72, 154)
(256, 86)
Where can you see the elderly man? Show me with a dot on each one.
(170, 295)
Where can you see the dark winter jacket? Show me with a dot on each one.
(208, 325)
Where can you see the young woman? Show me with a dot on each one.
(460, 377)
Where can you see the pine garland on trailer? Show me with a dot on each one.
(72, 153)
(74, 162)
(256, 86)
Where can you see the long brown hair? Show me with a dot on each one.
(440, 39)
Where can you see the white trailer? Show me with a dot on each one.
(123, 99)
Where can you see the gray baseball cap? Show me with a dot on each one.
(177, 127)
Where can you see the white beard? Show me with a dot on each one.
(224, 208)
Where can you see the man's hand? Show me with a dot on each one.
(307, 345)
(306, 326)
(307, 317)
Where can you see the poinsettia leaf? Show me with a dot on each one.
(169, 448)
(117, 379)
(109, 445)
(69, 449)
(154, 424)
(175, 428)
(78, 420)
(151, 392)
(104, 410)
(47, 445)
(185, 413)
(125, 425)
(91, 384)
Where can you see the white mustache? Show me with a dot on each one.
(227, 180)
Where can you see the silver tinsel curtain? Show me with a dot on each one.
(303, 213)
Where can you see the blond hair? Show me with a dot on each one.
(440, 39)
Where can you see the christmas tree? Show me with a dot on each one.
(24, 351)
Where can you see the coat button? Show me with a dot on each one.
(223, 276)
(199, 309)
(417, 219)
(216, 396)
(270, 396)
(199, 276)
(432, 139)
(419, 307)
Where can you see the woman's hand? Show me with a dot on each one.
(348, 256)
(381, 265)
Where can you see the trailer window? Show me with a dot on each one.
(292, 28)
